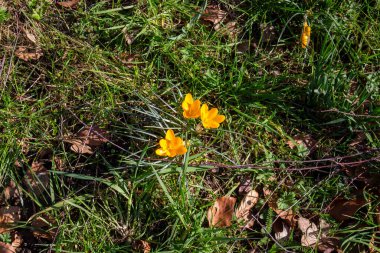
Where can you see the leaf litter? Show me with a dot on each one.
(243, 212)
(220, 214)
(87, 140)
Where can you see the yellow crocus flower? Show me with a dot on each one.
(171, 145)
(211, 118)
(191, 108)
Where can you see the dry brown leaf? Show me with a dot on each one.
(281, 230)
(220, 214)
(79, 147)
(215, 15)
(87, 139)
(42, 227)
(314, 236)
(12, 191)
(24, 54)
(243, 212)
(287, 215)
(93, 136)
(310, 232)
(8, 215)
(6, 248)
(37, 178)
(69, 4)
(30, 36)
(141, 246)
(342, 209)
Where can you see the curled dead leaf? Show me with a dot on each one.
(215, 15)
(220, 214)
(281, 230)
(342, 209)
(24, 54)
(68, 4)
(243, 212)
(9, 215)
(37, 179)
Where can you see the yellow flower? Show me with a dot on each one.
(171, 145)
(211, 118)
(191, 108)
(305, 36)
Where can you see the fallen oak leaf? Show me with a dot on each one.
(342, 209)
(220, 214)
(68, 4)
(243, 212)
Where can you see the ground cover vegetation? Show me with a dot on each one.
(189, 126)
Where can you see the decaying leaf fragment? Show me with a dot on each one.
(314, 236)
(8, 215)
(141, 246)
(220, 214)
(215, 15)
(243, 212)
(342, 209)
(37, 179)
(281, 230)
(287, 215)
(69, 4)
(88, 139)
(24, 54)
(43, 227)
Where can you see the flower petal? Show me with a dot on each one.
(189, 98)
(219, 118)
(170, 135)
(181, 150)
(204, 110)
(185, 106)
(161, 152)
(212, 113)
(163, 144)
